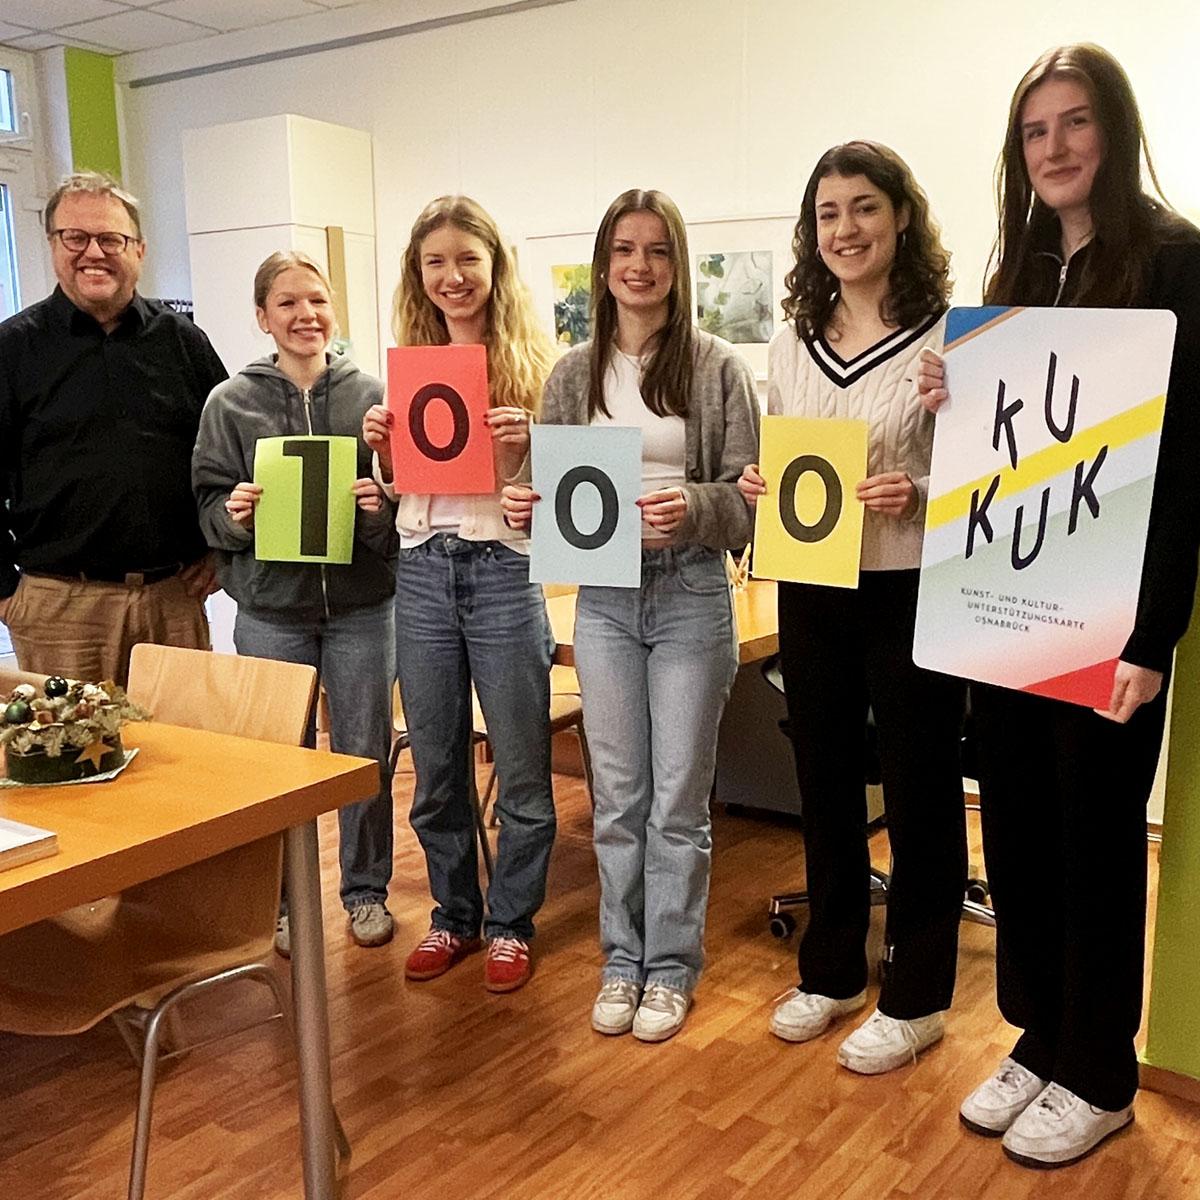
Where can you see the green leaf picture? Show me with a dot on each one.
(733, 295)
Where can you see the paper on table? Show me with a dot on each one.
(24, 843)
(103, 777)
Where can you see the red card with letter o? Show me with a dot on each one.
(438, 397)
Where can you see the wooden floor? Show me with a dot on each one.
(450, 1093)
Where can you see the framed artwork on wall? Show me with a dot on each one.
(738, 266)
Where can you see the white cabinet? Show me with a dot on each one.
(278, 183)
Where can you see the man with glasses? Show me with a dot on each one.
(100, 399)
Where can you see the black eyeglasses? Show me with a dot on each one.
(78, 240)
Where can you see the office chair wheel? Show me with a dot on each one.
(978, 890)
(782, 925)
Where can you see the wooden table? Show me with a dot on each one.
(754, 609)
(190, 795)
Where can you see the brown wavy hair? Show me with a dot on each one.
(1127, 222)
(667, 379)
(519, 351)
(919, 281)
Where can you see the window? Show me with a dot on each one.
(8, 106)
(10, 296)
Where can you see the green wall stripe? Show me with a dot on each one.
(92, 105)
(1173, 1040)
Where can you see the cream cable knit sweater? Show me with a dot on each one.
(807, 379)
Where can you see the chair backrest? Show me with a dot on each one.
(224, 693)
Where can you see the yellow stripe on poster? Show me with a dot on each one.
(1054, 460)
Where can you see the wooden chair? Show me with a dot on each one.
(175, 937)
(402, 742)
(566, 712)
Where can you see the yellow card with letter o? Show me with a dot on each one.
(306, 513)
(808, 527)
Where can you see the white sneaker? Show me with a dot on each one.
(1000, 1099)
(371, 924)
(799, 1016)
(615, 1006)
(882, 1043)
(661, 1013)
(283, 936)
(1059, 1128)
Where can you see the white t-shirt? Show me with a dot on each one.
(664, 439)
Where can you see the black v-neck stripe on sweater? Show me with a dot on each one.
(844, 373)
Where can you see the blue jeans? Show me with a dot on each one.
(352, 652)
(655, 666)
(467, 613)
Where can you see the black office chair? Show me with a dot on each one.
(781, 922)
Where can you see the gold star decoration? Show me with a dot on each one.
(94, 753)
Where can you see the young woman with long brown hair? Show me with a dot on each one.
(866, 294)
(466, 613)
(1064, 817)
(656, 662)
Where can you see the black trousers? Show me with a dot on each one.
(1064, 794)
(841, 650)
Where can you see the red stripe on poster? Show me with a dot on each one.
(1090, 686)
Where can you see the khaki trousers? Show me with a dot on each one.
(86, 630)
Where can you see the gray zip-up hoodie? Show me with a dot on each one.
(260, 401)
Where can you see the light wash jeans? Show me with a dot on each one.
(655, 665)
(352, 652)
(467, 613)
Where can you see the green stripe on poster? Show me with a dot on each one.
(92, 107)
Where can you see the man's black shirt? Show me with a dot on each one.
(96, 439)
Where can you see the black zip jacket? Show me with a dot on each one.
(1173, 540)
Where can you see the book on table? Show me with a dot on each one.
(24, 843)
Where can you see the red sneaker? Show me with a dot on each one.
(508, 965)
(437, 952)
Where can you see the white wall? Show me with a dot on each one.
(544, 116)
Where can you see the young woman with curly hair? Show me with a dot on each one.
(466, 613)
(866, 295)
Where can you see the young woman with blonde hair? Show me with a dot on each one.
(656, 662)
(466, 613)
(337, 618)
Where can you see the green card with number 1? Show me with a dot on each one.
(306, 513)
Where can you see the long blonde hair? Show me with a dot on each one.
(519, 352)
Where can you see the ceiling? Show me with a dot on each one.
(123, 26)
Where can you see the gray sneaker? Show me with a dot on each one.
(615, 1006)
(661, 1013)
(371, 924)
(283, 936)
